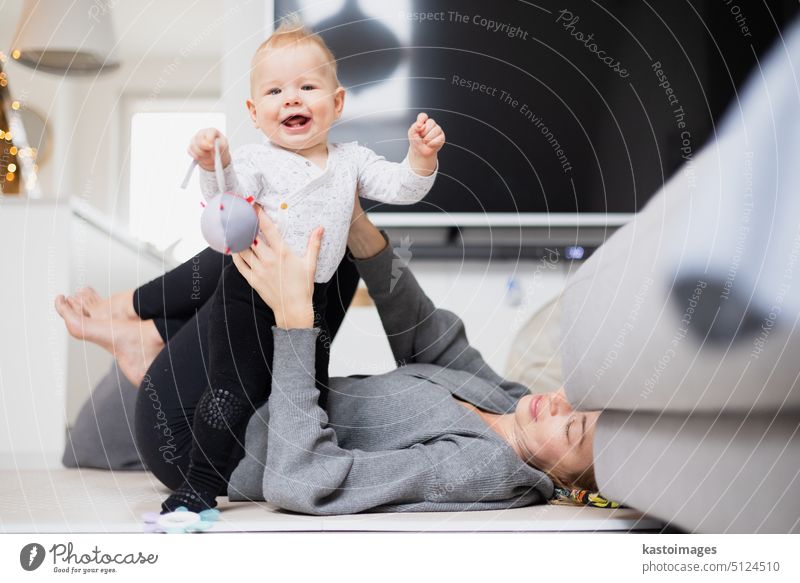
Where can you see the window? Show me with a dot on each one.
(161, 213)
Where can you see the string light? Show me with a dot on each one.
(15, 105)
(10, 177)
(2, 135)
(15, 54)
(8, 136)
(12, 167)
(13, 150)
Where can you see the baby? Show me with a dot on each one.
(301, 181)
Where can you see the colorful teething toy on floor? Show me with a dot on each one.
(181, 521)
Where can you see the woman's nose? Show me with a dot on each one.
(559, 404)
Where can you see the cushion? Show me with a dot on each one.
(534, 359)
(693, 306)
(102, 436)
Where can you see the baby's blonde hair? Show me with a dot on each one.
(291, 31)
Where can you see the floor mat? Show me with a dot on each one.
(67, 501)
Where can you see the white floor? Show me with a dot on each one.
(67, 501)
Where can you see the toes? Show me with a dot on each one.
(69, 315)
(83, 299)
(76, 305)
(63, 307)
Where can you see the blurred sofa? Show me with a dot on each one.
(683, 327)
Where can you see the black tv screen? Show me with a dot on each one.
(567, 107)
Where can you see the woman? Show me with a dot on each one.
(441, 432)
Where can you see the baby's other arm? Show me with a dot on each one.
(404, 183)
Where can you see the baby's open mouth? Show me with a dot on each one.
(296, 121)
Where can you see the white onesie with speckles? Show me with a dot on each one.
(299, 196)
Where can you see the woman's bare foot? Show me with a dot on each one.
(134, 343)
(117, 307)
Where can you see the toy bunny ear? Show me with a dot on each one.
(229, 223)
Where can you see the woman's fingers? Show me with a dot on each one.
(241, 264)
(312, 250)
(249, 258)
(314, 243)
(269, 230)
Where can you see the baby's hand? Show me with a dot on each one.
(425, 136)
(201, 148)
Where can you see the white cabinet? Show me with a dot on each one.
(34, 268)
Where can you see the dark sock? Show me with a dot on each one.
(191, 499)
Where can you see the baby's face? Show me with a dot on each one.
(295, 99)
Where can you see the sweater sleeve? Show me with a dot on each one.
(418, 331)
(306, 470)
(389, 182)
(243, 176)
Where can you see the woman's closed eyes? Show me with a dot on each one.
(570, 424)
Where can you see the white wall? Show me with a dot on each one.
(474, 290)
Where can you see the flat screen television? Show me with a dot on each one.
(568, 111)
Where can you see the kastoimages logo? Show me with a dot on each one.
(31, 556)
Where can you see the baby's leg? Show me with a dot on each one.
(239, 380)
(167, 401)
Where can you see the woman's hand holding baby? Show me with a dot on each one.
(284, 281)
(425, 139)
(201, 148)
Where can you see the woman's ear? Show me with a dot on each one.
(251, 107)
(338, 101)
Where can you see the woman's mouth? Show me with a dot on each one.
(535, 407)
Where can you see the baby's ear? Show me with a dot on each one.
(251, 107)
(338, 101)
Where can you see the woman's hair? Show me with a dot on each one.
(585, 480)
(291, 31)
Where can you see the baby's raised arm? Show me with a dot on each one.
(201, 148)
(409, 181)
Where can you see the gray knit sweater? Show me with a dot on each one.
(392, 442)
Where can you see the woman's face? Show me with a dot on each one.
(554, 437)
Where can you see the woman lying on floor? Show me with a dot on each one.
(442, 432)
